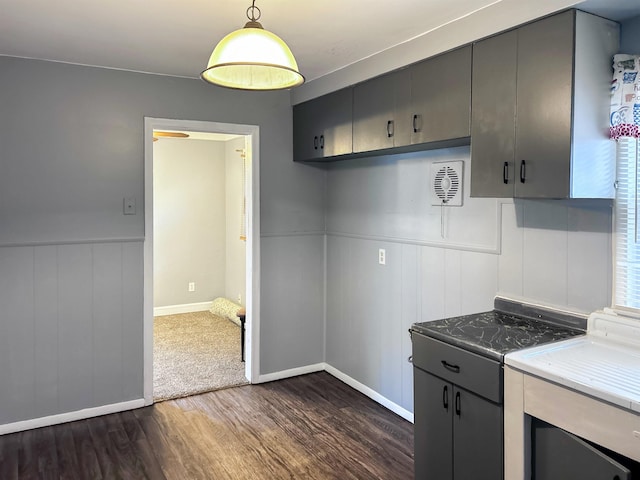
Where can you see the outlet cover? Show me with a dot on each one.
(129, 206)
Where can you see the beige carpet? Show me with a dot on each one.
(195, 353)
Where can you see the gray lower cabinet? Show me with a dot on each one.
(322, 127)
(458, 435)
(540, 110)
(441, 97)
(458, 425)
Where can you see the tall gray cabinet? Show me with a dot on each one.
(540, 110)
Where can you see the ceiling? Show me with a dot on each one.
(176, 38)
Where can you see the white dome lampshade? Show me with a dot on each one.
(252, 58)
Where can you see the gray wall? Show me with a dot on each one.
(189, 221)
(236, 252)
(630, 36)
(554, 253)
(71, 271)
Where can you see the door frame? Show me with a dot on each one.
(252, 301)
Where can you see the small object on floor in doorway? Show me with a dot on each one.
(241, 315)
(223, 307)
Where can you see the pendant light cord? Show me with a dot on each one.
(251, 12)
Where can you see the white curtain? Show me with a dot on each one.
(625, 129)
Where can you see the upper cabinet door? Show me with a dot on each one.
(493, 116)
(380, 112)
(322, 127)
(305, 131)
(336, 123)
(544, 107)
(441, 97)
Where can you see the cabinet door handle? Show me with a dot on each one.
(523, 171)
(315, 142)
(321, 141)
(445, 397)
(458, 403)
(416, 123)
(390, 128)
(450, 367)
(505, 173)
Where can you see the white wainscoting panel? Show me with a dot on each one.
(557, 253)
(545, 251)
(589, 256)
(70, 328)
(292, 302)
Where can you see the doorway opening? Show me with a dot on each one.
(167, 234)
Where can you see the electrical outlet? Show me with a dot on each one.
(129, 206)
(382, 256)
(192, 286)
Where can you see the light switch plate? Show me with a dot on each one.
(129, 206)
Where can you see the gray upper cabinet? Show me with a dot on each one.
(427, 105)
(381, 113)
(493, 116)
(544, 99)
(441, 97)
(322, 127)
(540, 110)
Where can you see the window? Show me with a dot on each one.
(627, 246)
(625, 128)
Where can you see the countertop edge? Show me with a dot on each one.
(515, 361)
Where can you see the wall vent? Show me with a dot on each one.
(446, 183)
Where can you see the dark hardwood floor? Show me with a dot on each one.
(308, 427)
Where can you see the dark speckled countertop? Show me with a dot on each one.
(496, 333)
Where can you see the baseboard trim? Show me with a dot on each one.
(70, 416)
(318, 367)
(372, 394)
(293, 372)
(186, 308)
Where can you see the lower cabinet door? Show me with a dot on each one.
(560, 455)
(477, 437)
(432, 426)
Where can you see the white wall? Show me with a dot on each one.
(235, 276)
(549, 252)
(189, 220)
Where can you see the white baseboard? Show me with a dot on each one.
(293, 372)
(270, 377)
(186, 308)
(318, 367)
(372, 394)
(70, 416)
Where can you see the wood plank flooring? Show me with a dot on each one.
(308, 427)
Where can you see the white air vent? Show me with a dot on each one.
(446, 183)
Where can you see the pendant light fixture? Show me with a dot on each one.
(252, 58)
